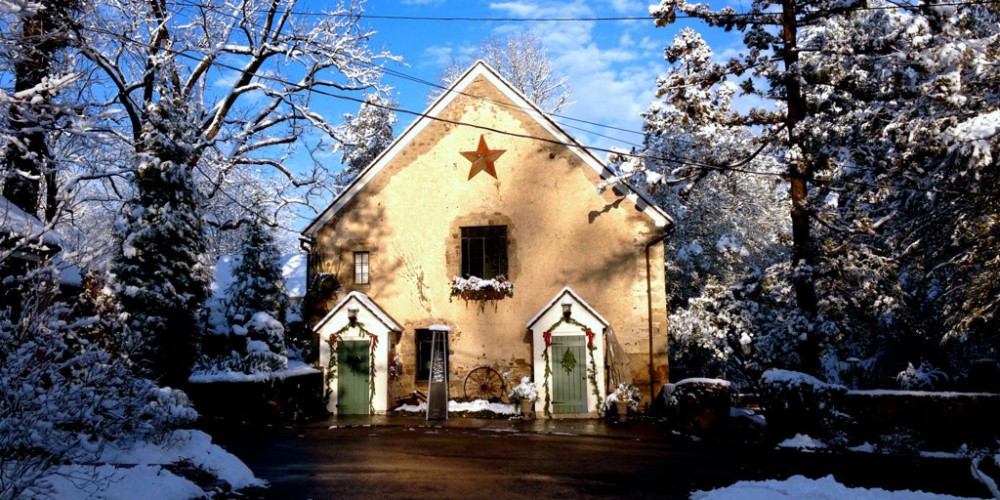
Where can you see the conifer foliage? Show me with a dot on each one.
(162, 278)
(256, 300)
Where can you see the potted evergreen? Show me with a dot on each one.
(524, 394)
(626, 397)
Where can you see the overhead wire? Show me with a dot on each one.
(735, 167)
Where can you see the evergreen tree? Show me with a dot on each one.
(258, 287)
(365, 136)
(162, 278)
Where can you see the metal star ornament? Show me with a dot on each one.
(483, 159)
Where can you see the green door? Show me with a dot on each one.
(569, 374)
(352, 378)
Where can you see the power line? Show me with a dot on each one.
(736, 167)
(578, 19)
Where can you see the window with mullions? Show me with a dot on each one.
(484, 251)
(361, 268)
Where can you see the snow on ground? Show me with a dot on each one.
(799, 487)
(471, 406)
(138, 470)
(802, 442)
(295, 368)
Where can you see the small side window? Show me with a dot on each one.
(361, 276)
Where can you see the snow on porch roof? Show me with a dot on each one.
(567, 291)
(480, 68)
(365, 302)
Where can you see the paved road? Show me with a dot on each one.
(411, 459)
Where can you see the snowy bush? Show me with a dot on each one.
(924, 378)
(525, 391)
(625, 393)
(264, 328)
(697, 405)
(63, 397)
(797, 402)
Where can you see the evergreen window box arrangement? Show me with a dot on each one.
(475, 288)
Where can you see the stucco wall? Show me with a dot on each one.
(561, 232)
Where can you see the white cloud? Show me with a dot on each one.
(422, 2)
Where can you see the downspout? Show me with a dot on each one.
(649, 304)
(306, 245)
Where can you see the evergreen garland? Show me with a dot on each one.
(331, 366)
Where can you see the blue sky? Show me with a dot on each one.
(611, 65)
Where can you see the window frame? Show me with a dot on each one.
(491, 243)
(362, 268)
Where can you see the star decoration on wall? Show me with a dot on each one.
(483, 158)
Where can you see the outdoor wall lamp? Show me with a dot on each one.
(352, 313)
(567, 306)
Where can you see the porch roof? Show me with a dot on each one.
(558, 298)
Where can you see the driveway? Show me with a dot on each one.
(468, 458)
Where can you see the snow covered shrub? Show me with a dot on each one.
(63, 397)
(625, 393)
(262, 327)
(710, 336)
(525, 391)
(924, 378)
(698, 405)
(797, 403)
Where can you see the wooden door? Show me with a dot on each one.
(569, 374)
(352, 378)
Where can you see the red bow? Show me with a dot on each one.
(548, 338)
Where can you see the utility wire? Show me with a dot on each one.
(478, 19)
(736, 167)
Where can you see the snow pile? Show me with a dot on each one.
(471, 406)
(799, 487)
(295, 368)
(137, 470)
(802, 442)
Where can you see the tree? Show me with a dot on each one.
(163, 279)
(523, 60)
(27, 162)
(366, 135)
(258, 285)
(159, 60)
(868, 100)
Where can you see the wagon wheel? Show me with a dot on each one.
(485, 383)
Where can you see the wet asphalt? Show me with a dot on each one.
(409, 457)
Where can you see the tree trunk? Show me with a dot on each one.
(800, 174)
(26, 165)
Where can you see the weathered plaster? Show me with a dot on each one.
(561, 232)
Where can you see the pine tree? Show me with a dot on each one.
(162, 278)
(365, 136)
(258, 287)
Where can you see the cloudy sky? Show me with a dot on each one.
(611, 65)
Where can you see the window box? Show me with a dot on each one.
(475, 288)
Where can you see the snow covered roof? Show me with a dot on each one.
(558, 298)
(480, 69)
(293, 269)
(14, 221)
(365, 302)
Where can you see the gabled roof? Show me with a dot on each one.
(558, 298)
(480, 69)
(365, 302)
